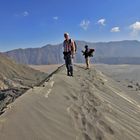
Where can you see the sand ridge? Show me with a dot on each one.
(88, 106)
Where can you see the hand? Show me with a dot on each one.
(64, 57)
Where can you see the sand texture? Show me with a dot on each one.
(88, 106)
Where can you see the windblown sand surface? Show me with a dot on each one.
(88, 106)
(126, 76)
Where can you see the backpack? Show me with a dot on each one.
(90, 53)
(74, 44)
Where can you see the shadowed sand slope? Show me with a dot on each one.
(88, 106)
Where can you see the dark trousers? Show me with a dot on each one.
(69, 65)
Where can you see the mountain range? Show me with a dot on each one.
(115, 52)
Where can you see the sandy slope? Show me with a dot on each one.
(121, 72)
(88, 106)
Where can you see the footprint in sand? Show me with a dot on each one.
(50, 89)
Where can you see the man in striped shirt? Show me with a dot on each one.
(69, 52)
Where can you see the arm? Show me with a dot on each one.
(83, 52)
(64, 48)
(73, 48)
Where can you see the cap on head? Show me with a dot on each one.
(86, 46)
(66, 34)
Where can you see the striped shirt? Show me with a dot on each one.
(67, 46)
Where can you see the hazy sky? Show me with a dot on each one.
(34, 23)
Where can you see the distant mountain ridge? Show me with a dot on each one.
(115, 52)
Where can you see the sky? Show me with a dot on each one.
(35, 23)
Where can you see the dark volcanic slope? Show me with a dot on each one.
(118, 52)
(15, 79)
(88, 106)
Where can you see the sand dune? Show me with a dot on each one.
(88, 106)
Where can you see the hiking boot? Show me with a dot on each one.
(86, 68)
(71, 74)
(68, 74)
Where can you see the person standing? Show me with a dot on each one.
(69, 52)
(88, 53)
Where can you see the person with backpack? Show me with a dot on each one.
(88, 53)
(69, 52)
